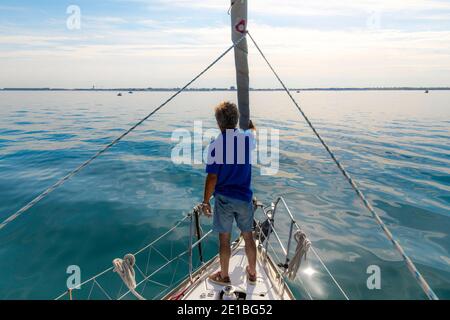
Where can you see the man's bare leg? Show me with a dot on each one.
(250, 250)
(225, 253)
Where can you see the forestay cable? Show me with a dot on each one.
(99, 153)
(412, 268)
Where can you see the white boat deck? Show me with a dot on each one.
(266, 288)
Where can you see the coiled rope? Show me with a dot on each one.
(125, 268)
(422, 282)
(114, 142)
(148, 246)
(303, 246)
(412, 268)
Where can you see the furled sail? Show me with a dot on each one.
(239, 27)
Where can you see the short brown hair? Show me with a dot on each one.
(227, 115)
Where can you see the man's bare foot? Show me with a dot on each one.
(218, 279)
(251, 278)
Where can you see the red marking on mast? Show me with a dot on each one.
(241, 27)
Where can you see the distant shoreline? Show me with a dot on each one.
(231, 89)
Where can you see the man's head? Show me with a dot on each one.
(227, 116)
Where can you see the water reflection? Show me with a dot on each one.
(397, 144)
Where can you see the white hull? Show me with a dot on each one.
(268, 286)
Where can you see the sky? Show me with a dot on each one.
(164, 43)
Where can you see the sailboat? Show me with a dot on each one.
(281, 251)
(270, 284)
(277, 261)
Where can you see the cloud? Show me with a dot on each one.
(113, 50)
(317, 7)
(11, 8)
(303, 57)
(104, 20)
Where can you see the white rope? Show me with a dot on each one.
(135, 254)
(299, 278)
(125, 269)
(326, 268)
(303, 245)
(412, 268)
(168, 263)
(107, 147)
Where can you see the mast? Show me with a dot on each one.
(239, 15)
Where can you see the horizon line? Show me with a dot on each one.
(232, 88)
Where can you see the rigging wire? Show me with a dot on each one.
(412, 268)
(107, 147)
(422, 282)
(150, 245)
(231, 7)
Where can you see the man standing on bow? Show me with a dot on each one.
(229, 172)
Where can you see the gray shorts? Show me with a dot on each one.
(227, 209)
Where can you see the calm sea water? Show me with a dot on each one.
(396, 144)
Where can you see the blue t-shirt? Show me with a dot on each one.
(229, 157)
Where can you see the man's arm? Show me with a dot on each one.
(210, 185)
